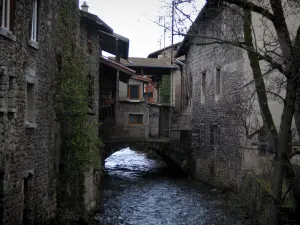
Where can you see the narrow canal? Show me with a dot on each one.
(141, 191)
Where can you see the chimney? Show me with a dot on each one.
(85, 7)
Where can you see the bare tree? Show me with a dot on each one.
(269, 31)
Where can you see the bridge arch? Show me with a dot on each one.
(162, 149)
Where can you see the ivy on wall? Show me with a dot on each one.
(80, 144)
(165, 89)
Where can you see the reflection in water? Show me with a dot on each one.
(135, 193)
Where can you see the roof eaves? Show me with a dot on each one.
(95, 19)
(148, 80)
(117, 65)
(162, 50)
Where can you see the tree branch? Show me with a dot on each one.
(265, 57)
(249, 6)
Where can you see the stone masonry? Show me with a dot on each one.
(215, 117)
(28, 163)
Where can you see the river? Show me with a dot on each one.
(140, 191)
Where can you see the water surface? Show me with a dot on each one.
(137, 191)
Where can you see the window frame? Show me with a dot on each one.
(129, 92)
(6, 14)
(135, 123)
(30, 118)
(34, 21)
(202, 135)
(203, 86)
(7, 17)
(218, 83)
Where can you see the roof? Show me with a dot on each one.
(144, 79)
(147, 62)
(96, 20)
(185, 44)
(116, 65)
(114, 44)
(158, 52)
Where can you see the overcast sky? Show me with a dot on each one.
(132, 19)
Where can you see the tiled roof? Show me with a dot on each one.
(147, 62)
(145, 79)
(97, 20)
(116, 65)
(160, 51)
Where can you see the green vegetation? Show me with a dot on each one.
(80, 145)
(165, 89)
(72, 95)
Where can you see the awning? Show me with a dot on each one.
(114, 43)
(112, 66)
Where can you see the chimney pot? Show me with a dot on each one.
(85, 7)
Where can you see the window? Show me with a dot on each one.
(218, 81)
(265, 145)
(133, 92)
(27, 182)
(202, 135)
(90, 91)
(7, 13)
(203, 88)
(30, 103)
(136, 118)
(34, 21)
(214, 136)
(89, 42)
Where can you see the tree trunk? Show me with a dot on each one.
(281, 159)
(280, 141)
(297, 116)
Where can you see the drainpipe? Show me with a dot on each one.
(179, 62)
(117, 79)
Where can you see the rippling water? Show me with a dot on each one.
(136, 192)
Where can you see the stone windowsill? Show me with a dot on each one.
(33, 44)
(3, 109)
(7, 33)
(12, 110)
(136, 125)
(30, 125)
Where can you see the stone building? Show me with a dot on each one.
(228, 136)
(28, 64)
(31, 156)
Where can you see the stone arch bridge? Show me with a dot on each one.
(175, 154)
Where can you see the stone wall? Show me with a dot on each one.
(126, 130)
(27, 152)
(215, 118)
(154, 121)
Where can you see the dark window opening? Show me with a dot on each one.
(30, 103)
(136, 118)
(90, 91)
(26, 187)
(265, 145)
(214, 136)
(7, 14)
(202, 135)
(218, 81)
(89, 42)
(133, 91)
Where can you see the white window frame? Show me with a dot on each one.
(34, 21)
(203, 86)
(5, 20)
